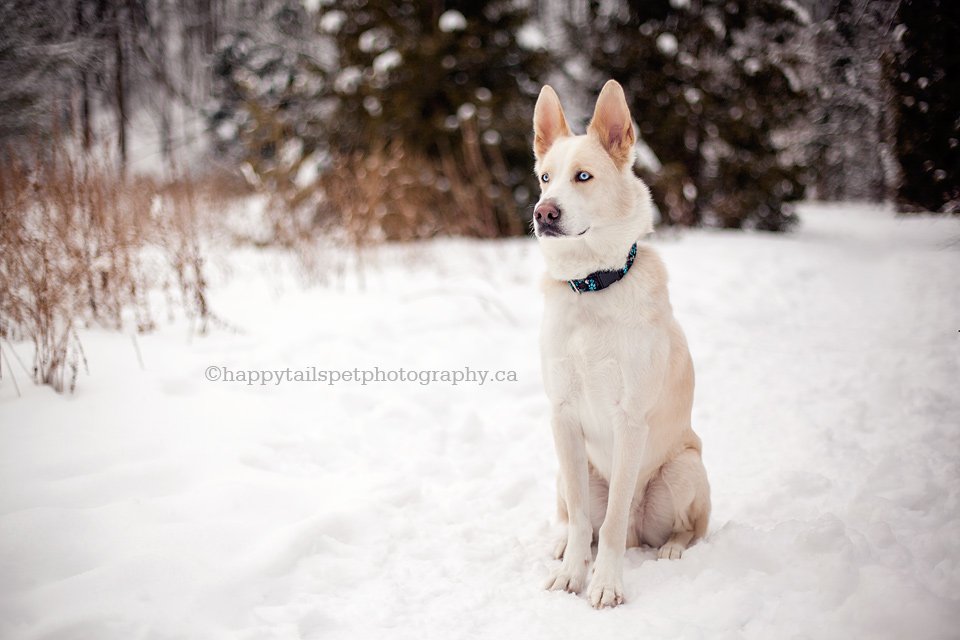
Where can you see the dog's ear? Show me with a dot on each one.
(549, 123)
(612, 125)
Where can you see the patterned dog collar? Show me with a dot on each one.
(603, 279)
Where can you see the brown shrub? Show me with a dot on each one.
(393, 194)
(72, 237)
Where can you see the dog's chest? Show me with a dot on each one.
(583, 369)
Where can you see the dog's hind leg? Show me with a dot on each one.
(676, 505)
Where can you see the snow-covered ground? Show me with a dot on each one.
(156, 504)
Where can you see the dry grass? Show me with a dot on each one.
(393, 194)
(178, 230)
(73, 234)
(81, 246)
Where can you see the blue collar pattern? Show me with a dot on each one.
(602, 279)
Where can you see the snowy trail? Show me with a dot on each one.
(156, 504)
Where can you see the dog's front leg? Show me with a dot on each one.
(572, 456)
(606, 587)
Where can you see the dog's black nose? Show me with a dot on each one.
(547, 213)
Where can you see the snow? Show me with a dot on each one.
(492, 137)
(692, 95)
(156, 504)
(349, 79)
(333, 21)
(372, 105)
(667, 43)
(373, 40)
(646, 158)
(452, 20)
(466, 111)
(531, 37)
(802, 13)
(387, 60)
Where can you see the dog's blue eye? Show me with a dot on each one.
(583, 176)
(545, 177)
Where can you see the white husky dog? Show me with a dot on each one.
(615, 362)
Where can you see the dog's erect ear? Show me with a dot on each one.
(549, 123)
(612, 125)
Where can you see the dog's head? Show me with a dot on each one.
(592, 207)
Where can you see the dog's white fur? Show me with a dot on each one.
(616, 367)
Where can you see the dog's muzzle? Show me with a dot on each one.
(546, 219)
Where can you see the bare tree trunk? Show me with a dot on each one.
(120, 90)
(166, 94)
(892, 172)
(86, 135)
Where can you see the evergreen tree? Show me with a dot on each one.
(850, 130)
(443, 81)
(928, 91)
(715, 87)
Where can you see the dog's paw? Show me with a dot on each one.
(670, 551)
(560, 547)
(567, 578)
(606, 586)
(605, 593)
